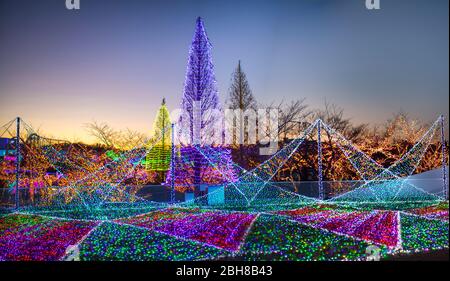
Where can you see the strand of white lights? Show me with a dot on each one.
(399, 162)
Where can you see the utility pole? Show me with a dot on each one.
(444, 160)
(319, 159)
(172, 168)
(17, 162)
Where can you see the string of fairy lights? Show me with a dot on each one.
(85, 185)
(392, 184)
(242, 187)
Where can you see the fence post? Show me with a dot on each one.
(444, 160)
(319, 159)
(16, 199)
(172, 168)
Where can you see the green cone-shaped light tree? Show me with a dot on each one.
(158, 157)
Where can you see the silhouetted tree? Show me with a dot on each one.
(241, 99)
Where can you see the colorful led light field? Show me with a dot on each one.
(432, 212)
(319, 232)
(423, 234)
(112, 241)
(380, 227)
(156, 218)
(24, 237)
(223, 230)
(107, 212)
(277, 238)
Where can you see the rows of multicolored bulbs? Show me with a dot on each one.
(378, 227)
(423, 234)
(112, 241)
(276, 238)
(220, 229)
(320, 232)
(39, 239)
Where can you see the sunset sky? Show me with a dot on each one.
(114, 60)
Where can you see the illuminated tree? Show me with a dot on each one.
(215, 162)
(201, 112)
(158, 158)
(200, 103)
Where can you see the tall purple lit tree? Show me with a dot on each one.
(201, 117)
(200, 102)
